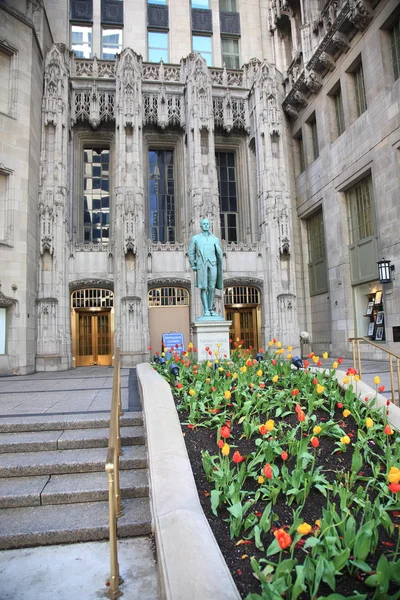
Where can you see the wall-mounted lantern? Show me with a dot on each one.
(384, 269)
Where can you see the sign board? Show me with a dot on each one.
(172, 339)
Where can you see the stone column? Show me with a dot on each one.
(54, 340)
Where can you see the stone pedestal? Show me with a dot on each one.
(210, 333)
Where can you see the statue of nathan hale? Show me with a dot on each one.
(205, 257)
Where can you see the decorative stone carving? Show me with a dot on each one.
(291, 111)
(169, 282)
(235, 281)
(359, 14)
(93, 105)
(163, 109)
(286, 302)
(160, 72)
(6, 301)
(283, 220)
(167, 247)
(106, 284)
(56, 74)
(46, 220)
(128, 72)
(198, 82)
(327, 61)
(300, 98)
(95, 68)
(341, 41)
(313, 81)
(90, 247)
(49, 340)
(132, 330)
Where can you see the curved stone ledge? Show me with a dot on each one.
(190, 563)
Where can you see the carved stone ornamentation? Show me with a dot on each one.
(313, 81)
(238, 281)
(106, 284)
(359, 14)
(169, 282)
(284, 230)
(93, 105)
(6, 301)
(198, 82)
(341, 41)
(327, 61)
(291, 111)
(46, 222)
(56, 74)
(128, 73)
(286, 302)
(300, 98)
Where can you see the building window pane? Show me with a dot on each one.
(200, 4)
(228, 201)
(395, 48)
(302, 162)
(157, 2)
(359, 204)
(5, 71)
(112, 43)
(158, 46)
(3, 330)
(361, 103)
(161, 187)
(339, 114)
(316, 254)
(96, 195)
(230, 53)
(81, 41)
(227, 6)
(314, 139)
(203, 45)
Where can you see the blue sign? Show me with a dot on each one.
(172, 340)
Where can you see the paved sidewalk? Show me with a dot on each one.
(65, 572)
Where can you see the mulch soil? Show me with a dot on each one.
(238, 557)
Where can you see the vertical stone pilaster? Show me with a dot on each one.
(53, 340)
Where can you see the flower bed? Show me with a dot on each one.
(303, 478)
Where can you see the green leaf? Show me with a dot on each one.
(329, 574)
(356, 461)
(340, 559)
(299, 584)
(340, 597)
(360, 564)
(372, 581)
(257, 538)
(215, 495)
(236, 510)
(273, 548)
(311, 542)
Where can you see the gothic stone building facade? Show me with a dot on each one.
(124, 122)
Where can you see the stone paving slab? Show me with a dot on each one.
(21, 491)
(22, 464)
(34, 574)
(60, 524)
(98, 438)
(29, 441)
(90, 487)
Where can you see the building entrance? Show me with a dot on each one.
(242, 307)
(92, 327)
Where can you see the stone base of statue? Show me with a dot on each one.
(212, 333)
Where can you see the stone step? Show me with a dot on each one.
(36, 441)
(52, 524)
(66, 421)
(23, 464)
(66, 489)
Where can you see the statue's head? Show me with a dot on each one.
(205, 225)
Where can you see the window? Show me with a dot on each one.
(81, 41)
(228, 205)
(96, 195)
(3, 330)
(395, 48)
(157, 1)
(5, 69)
(200, 4)
(202, 44)
(158, 46)
(230, 53)
(316, 254)
(314, 139)
(227, 6)
(359, 88)
(161, 196)
(112, 43)
(3, 205)
(299, 153)
(339, 114)
(362, 241)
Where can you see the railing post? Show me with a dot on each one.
(113, 591)
(353, 350)
(359, 359)
(392, 379)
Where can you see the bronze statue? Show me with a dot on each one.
(205, 257)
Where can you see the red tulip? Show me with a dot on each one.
(315, 381)
(220, 443)
(305, 363)
(268, 471)
(339, 404)
(301, 416)
(263, 430)
(340, 360)
(314, 442)
(295, 392)
(394, 487)
(284, 539)
(284, 455)
(225, 431)
(237, 457)
(381, 388)
(273, 361)
(179, 385)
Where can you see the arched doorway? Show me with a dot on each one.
(168, 312)
(243, 308)
(92, 319)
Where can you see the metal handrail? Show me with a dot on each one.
(112, 468)
(355, 344)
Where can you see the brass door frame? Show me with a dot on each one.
(95, 360)
(236, 309)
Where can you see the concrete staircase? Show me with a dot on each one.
(53, 486)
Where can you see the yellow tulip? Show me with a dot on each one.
(289, 357)
(345, 439)
(346, 412)
(304, 528)
(369, 422)
(394, 475)
(377, 380)
(208, 364)
(315, 359)
(290, 348)
(275, 378)
(320, 389)
(243, 369)
(325, 355)
(270, 344)
(220, 369)
(335, 365)
(191, 392)
(318, 523)
(278, 344)
(225, 449)
(270, 424)
(356, 378)
(260, 479)
(190, 345)
(345, 380)
(317, 429)
(227, 395)
(208, 380)
(259, 373)
(235, 376)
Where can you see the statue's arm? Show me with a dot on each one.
(192, 254)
